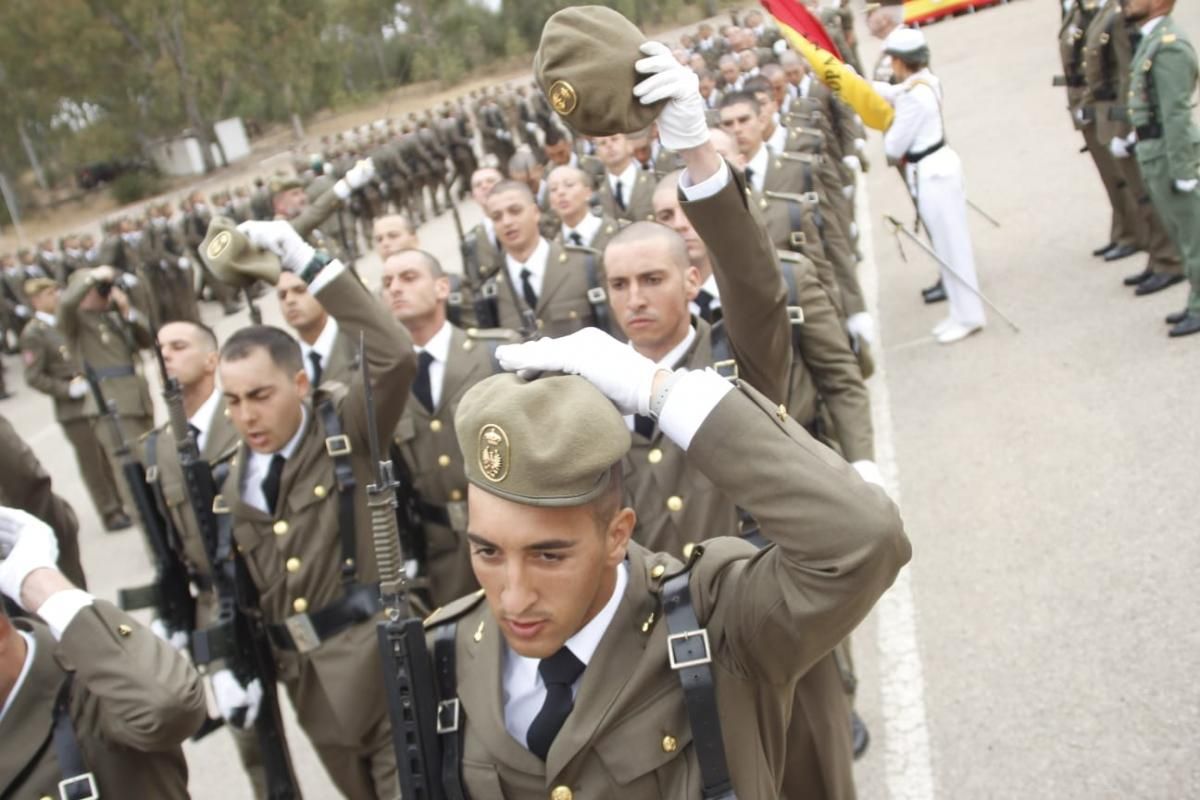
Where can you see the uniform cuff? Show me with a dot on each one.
(61, 607)
(691, 399)
(707, 187)
(326, 276)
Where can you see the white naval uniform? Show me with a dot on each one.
(937, 184)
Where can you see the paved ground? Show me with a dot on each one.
(1042, 643)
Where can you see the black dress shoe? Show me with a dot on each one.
(1156, 283)
(1119, 252)
(1134, 280)
(935, 293)
(117, 521)
(1177, 317)
(862, 737)
(1187, 326)
(1103, 251)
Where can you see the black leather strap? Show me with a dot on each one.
(691, 657)
(450, 717)
(108, 373)
(597, 297)
(338, 448)
(919, 155)
(77, 782)
(359, 604)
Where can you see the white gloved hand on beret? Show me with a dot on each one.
(26, 544)
(682, 124)
(279, 237)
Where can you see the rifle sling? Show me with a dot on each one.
(450, 714)
(343, 471)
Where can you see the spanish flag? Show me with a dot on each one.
(808, 37)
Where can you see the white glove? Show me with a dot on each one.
(860, 145)
(682, 124)
(869, 472)
(21, 311)
(861, 326)
(1186, 187)
(621, 373)
(26, 544)
(238, 704)
(531, 127)
(848, 191)
(1079, 115)
(280, 238)
(183, 262)
(1118, 147)
(505, 135)
(177, 639)
(852, 162)
(77, 388)
(780, 46)
(412, 568)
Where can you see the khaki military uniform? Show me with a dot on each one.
(294, 555)
(50, 365)
(563, 306)
(609, 227)
(195, 228)
(769, 615)
(177, 281)
(638, 206)
(796, 225)
(132, 701)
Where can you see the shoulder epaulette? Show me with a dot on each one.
(580, 249)
(454, 611)
(806, 130)
(792, 256)
(792, 197)
(1169, 38)
(498, 334)
(804, 158)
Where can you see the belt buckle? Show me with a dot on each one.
(489, 290)
(455, 299)
(65, 786)
(456, 511)
(704, 658)
(303, 632)
(727, 369)
(152, 474)
(338, 445)
(799, 239)
(448, 716)
(812, 198)
(596, 295)
(795, 315)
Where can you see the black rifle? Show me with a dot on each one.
(407, 667)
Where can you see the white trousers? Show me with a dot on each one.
(938, 185)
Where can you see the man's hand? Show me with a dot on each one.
(77, 388)
(238, 704)
(279, 237)
(177, 639)
(621, 373)
(26, 545)
(852, 162)
(105, 274)
(1186, 187)
(861, 326)
(682, 124)
(120, 300)
(356, 177)
(1118, 147)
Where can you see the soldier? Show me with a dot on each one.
(625, 191)
(526, 169)
(449, 362)
(172, 268)
(260, 201)
(194, 223)
(394, 233)
(50, 260)
(74, 257)
(297, 500)
(710, 45)
(53, 368)
(1163, 82)
(17, 311)
(92, 704)
(543, 287)
(328, 353)
(24, 484)
(482, 249)
(570, 191)
(456, 135)
(107, 333)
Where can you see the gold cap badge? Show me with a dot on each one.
(219, 243)
(563, 97)
(493, 452)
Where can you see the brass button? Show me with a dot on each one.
(562, 258)
(319, 491)
(280, 527)
(674, 503)
(658, 571)
(299, 605)
(228, 413)
(541, 323)
(125, 630)
(669, 744)
(468, 344)
(455, 495)
(435, 426)
(654, 456)
(688, 549)
(561, 793)
(781, 412)
(293, 564)
(573, 314)
(443, 460)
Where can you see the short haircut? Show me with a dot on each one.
(426, 258)
(611, 500)
(204, 334)
(741, 98)
(705, 75)
(282, 348)
(512, 186)
(521, 162)
(554, 136)
(726, 59)
(759, 83)
(582, 174)
(648, 231)
(401, 218)
(769, 71)
(789, 57)
(917, 60)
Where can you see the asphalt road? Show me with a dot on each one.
(1042, 643)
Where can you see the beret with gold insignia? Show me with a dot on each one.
(228, 253)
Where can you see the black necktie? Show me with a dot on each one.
(619, 195)
(527, 288)
(315, 359)
(643, 425)
(575, 238)
(705, 300)
(559, 672)
(195, 432)
(270, 484)
(422, 387)
(750, 177)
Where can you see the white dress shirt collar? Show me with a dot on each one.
(439, 348)
(536, 266)
(805, 85)
(259, 464)
(778, 139)
(1148, 27)
(323, 345)
(758, 165)
(587, 229)
(203, 418)
(30, 649)
(626, 179)
(490, 229)
(49, 319)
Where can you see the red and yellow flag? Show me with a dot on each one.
(808, 37)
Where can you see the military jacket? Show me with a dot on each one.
(133, 700)
(563, 305)
(792, 223)
(1070, 45)
(50, 365)
(609, 228)
(769, 615)
(1161, 91)
(294, 555)
(1101, 68)
(639, 206)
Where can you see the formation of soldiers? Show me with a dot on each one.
(1130, 75)
(644, 553)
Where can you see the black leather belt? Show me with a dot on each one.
(304, 632)
(920, 155)
(1149, 131)
(107, 373)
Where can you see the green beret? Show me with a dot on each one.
(548, 442)
(233, 260)
(585, 65)
(35, 286)
(281, 183)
